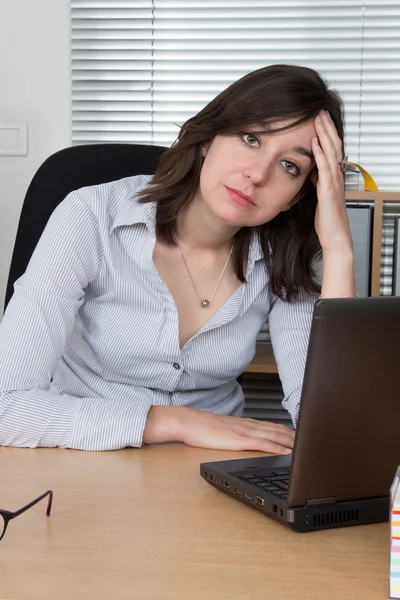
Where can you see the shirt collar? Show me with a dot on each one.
(131, 211)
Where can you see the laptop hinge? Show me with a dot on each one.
(321, 501)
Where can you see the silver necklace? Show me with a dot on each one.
(206, 302)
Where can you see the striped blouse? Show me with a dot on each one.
(89, 341)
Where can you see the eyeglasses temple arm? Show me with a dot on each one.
(49, 493)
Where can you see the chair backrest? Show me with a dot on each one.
(67, 170)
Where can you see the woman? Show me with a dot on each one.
(143, 300)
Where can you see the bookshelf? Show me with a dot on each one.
(378, 199)
(263, 361)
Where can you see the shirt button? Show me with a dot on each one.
(176, 366)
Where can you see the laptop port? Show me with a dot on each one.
(238, 492)
(247, 497)
(211, 477)
(226, 485)
(205, 474)
(259, 501)
(218, 481)
(275, 509)
(281, 512)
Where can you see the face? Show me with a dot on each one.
(248, 178)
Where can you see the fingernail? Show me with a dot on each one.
(288, 451)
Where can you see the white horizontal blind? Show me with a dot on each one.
(140, 68)
(379, 148)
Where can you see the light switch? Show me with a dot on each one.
(13, 139)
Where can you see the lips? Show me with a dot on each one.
(240, 197)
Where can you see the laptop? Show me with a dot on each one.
(347, 443)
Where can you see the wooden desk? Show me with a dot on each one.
(142, 524)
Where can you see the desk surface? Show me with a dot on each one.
(142, 524)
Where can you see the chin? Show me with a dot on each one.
(236, 218)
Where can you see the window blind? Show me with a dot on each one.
(140, 68)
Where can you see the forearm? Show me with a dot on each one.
(43, 418)
(338, 279)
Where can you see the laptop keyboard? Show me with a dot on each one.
(272, 483)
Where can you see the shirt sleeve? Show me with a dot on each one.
(290, 326)
(33, 333)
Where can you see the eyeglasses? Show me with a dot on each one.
(7, 515)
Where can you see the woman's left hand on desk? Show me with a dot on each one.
(218, 432)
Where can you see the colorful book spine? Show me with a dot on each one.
(394, 576)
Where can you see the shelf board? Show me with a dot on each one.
(263, 361)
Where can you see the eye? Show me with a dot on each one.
(291, 168)
(250, 139)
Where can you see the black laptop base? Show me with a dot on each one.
(302, 519)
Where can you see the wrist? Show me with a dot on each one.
(343, 257)
(164, 424)
(338, 276)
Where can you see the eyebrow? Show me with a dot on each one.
(304, 152)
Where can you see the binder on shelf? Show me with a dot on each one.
(360, 219)
(396, 257)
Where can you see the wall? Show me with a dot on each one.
(34, 88)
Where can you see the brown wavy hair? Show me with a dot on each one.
(289, 241)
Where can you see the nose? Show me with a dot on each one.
(258, 169)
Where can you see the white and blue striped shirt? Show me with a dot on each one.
(89, 341)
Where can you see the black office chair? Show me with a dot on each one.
(67, 170)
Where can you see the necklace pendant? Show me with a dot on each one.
(205, 303)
